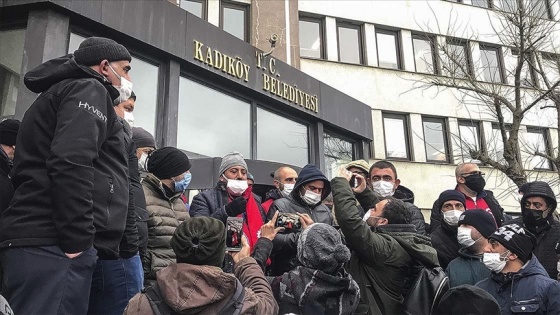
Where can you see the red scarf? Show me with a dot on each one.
(252, 219)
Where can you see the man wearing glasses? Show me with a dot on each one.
(470, 182)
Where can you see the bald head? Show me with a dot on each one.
(284, 175)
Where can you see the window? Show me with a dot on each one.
(424, 56)
(74, 42)
(227, 129)
(11, 56)
(195, 7)
(482, 3)
(458, 64)
(496, 144)
(536, 141)
(527, 78)
(349, 43)
(538, 8)
(551, 68)
(435, 139)
(388, 52)
(491, 64)
(338, 152)
(469, 139)
(310, 38)
(509, 5)
(395, 128)
(281, 140)
(234, 20)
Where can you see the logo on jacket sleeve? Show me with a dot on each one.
(92, 109)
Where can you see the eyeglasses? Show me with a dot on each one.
(473, 173)
(537, 205)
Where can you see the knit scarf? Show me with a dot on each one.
(252, 218)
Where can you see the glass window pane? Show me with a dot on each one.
(193, 7)
(234, 22)
(526, 77)
(387, 53)
(535, 143)
(11, 56)
(509, 5)
(310, 39)
(395, 137)
(338, 152)
(74, 43)
(481, 3)
(457, 60)
(434, 141)
(490, 65)
(538, 8)
(496, 145)
(423, 55)
(551, 70)
(281, 140)
(212, 123)
(349, 45)
(468, 140)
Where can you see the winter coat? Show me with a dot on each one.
(165, 216)
(529, 291)
(141, 214)
(285, 243)
(379, 264)
(407, 196)
(6, 188)
(271, 196)
(444, 240)
(466, 269)
(70, 172)
(192, 289)
(436, 216)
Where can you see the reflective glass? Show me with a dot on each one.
(490, 65)
(481, 3)
(11, 56)
(434, 141)
(194, 7)
(387, 52)
(423, 55)
(234, 22)
(457, 60)
(535, 143)
(310, 39)
(395, 137)
(338, 152)
(349, 44)
(468, 140)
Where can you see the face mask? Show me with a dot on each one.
(452, 217)
(125, 89)
(287, 189)
(475, 183)
(385, 189)
(142, 162)
(494, 261)
(129, 118)
(366, 216)
(182, 185)
(311, 198)
(464, 237)
(534, 217)
(237, 187)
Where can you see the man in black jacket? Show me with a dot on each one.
(70, 178)
(8, 133)
(444, 238)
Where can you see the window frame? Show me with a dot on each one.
(445, 129)
(515, 52)
(548, 9)
(466, 49)
(237, 6)
(204, 8)
(398, 48)
(320, 21)
(406, 131)
(546, 139)
(489, 5)
(499, 58)
(471, 123)
(361, 44)
(432, 40)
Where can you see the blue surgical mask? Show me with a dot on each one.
(183, 184)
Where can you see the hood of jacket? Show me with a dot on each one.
(62, 68)
(404, 194)
(308, 174)
(190, 289)
(532, 267)
(463, 252)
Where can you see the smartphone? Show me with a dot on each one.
(288, 221)
(353, 182)
(234, 233)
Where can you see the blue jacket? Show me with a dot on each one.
(466, 269)
(528, 291)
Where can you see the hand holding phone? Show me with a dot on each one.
(234, 234)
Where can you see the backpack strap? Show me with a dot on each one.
(159, 307)
(235, 304)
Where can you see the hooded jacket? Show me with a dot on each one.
(6, 188)
(70, 174)
(379, 264)
(192, 289)
(166, 213)
(529, 291)
(444, 240)
(285, 243)
(466, 269)
(406, 195)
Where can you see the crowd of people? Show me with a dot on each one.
(94, 219)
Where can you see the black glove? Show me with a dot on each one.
(236, 207)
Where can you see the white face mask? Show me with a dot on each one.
(464, 237)
(494, 261)
(385, 189)
(287, 189)
(142, 162)
(558, 267)
(452, 217)
(367, 215)
(311, 198)
(125, 89)
(237, 187)
(129, 118)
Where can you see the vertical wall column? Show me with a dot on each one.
(46, 37)
(168, 115)
(317, 145)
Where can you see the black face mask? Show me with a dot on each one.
(534, 218)
(475, 183)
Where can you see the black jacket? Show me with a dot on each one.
(407, 196)
(488, 196)
(444, 240)
(6, 188)
(70, 173)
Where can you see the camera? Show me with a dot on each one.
(273, 39)
(353, 182)
(288, 221)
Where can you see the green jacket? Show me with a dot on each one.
(378, 264)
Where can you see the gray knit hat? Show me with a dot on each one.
(320, 247)
(94, 49)
(232, 159)
(142, 138)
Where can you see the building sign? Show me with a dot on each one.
(237, 69)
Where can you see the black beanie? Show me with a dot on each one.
(451, 194)
(516, 239)
(481, 220)
(142, 138)
(200, 241)
(459, 301)
(8, 131)
(168, 162)
(94, 49)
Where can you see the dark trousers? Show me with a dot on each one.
(42, 280)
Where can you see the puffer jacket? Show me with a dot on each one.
(466, 269)
(379, 264)
(529, 291)
(165, 216)
(406, 195)
(444, 240)
(192, 289)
